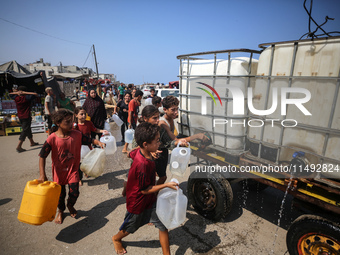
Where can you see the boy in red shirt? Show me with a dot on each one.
(141, 189)
(65, 145)
(134, 109)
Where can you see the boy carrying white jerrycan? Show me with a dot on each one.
(171, 206)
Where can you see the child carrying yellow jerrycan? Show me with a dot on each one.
(39, 202)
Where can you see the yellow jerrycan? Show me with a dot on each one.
(39, 202)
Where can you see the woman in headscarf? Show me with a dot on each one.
(95, 108)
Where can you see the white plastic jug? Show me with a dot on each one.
(148, 101)
(110, 142)
(84, 150)
(179, 160)
(117, 120)
(93, 163)
(171, 207)
(107, 125)
(129, 134)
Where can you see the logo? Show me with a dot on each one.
(204, 99)
(239, 100)
(281, 97)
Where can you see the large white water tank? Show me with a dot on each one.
(312, 65)
(197, 72)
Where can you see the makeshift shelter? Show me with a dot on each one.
(14, 66)
(13, 73)
(54, 84)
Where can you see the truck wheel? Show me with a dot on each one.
(210, 196)
(311, 234)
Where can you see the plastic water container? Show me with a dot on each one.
(107, 126)
(82, 101)
(93, 163)
(148, 101)
(171, 207)
(179, 160)
(39, 202)
(129, 134)
(110, 142)
(117, 120)
(84, 151)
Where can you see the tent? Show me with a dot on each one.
(12, 73)
(13, 66)
(70, 75)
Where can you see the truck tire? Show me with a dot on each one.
(210, 196)
(310, 234)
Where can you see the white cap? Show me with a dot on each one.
(183, 152)
(175, 164)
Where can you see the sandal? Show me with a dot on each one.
(34, 144)
(20, 150)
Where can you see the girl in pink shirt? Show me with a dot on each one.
(65, 144)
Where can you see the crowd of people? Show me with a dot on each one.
(70, 128)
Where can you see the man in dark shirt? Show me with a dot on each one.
(23, 101)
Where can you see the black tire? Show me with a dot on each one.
(210, 196)
(253, 185)
(311, 234)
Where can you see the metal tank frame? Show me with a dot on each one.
(185, 59)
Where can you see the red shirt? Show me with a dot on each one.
(142, 174)
(86, 128)
(65, 156)
(23, 105)
(133, 107)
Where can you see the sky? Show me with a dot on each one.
(139, 40)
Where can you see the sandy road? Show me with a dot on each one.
(250, 228)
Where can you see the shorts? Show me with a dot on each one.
(132, 222)
(26, 129)
(48, 119)
(162, 162)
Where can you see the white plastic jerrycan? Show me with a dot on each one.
(117, 120)
(93, 163)
(110, 142)
(171, 207)
(179, 160)
(107, 125)
(129, 134)
(83, 152)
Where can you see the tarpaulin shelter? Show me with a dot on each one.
(70, 75)
(13, 73)
(54, 84)
(14, 66)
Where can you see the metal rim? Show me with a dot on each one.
(317, 244)
(205, 195)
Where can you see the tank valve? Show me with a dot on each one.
(298, 165)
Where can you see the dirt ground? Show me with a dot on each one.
(250, 228)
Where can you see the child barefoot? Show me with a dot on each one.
(65, 145)
(150, 114)
(141, 189)
(86, 127)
